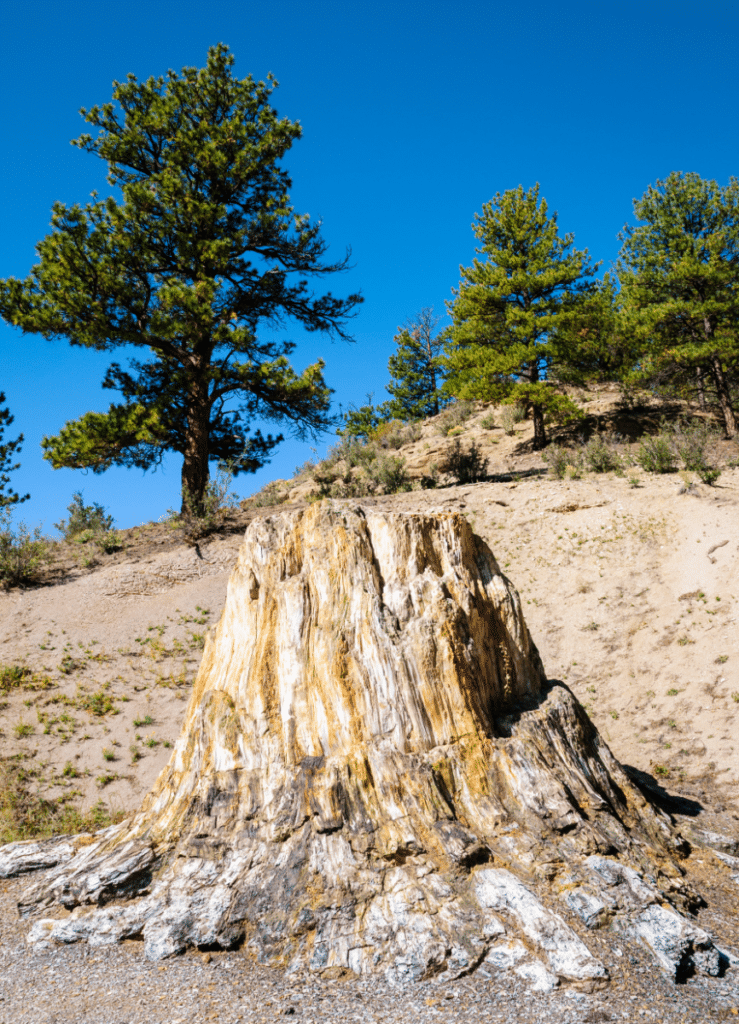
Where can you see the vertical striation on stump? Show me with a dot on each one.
(375, 775)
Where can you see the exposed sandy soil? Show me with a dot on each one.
(631, 594)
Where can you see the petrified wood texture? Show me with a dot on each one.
(375, 775)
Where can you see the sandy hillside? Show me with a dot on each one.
(630, 589)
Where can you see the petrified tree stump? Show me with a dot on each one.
(374, 774)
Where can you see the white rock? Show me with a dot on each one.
(568, 956)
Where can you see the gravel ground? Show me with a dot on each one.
(116, 985)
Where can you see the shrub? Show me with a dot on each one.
(558, 459)
(455, 415)
(510, 415)
(84, 519)
(23, 553)
(430, 480)
(110, 542)
(600, 455)
(362, 422)
(690, 442)
(389, 473)
(12, 676)
(272, 493)
(394, 434)
(465, 466)
(656, 455)
(488, 422)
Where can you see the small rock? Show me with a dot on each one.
(206, 958)
(288, 1011)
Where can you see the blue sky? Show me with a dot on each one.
(413, 115)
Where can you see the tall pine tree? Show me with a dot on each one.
(203, 250)
(416, 370)
(8, 450)
(679, 272)
(519, 308)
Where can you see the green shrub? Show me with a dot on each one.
(600, 456)
(558, 459)
(88, 520)
(12, 676)
(465, 466)
(510, 415)
(389, 473)
(362, 422)
(690, 442)
(110, 542)
(656, 454)
(99, 704)
(488, 422)
(23, 553)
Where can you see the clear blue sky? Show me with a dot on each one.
(414, 115)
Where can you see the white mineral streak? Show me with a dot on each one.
(371, 762)
(568, 956)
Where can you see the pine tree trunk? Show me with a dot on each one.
(722, 388)
(540, 433)
(195, 464)
(724, 398)
(701, 387)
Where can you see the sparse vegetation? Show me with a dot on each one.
(510, 416)
(561, 459)
(26, 814)
(273, 493)
(455, 415)
(106, 778)
(691, 442)
(23, 553)
(98, 704)
(85, 522)
(600, 454)
(656, 455)
(464, 465)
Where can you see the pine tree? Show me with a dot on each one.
(7, 451)
(416, 369)
(679, 272)
(520, 308)
(203, 249)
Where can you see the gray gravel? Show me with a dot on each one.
(115, 985)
